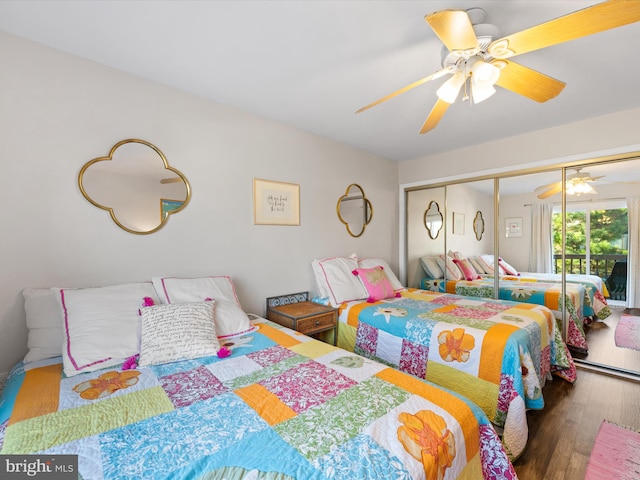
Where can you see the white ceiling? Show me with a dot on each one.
(312, 64)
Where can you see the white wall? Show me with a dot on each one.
(58, 111)
(574, 141)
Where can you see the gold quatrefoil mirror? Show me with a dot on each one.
(136, 185)
(478, 225)
(354, 210)
(433, 219)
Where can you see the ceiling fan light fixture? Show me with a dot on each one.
(480, 92)
(580, 188)
(448, 91)
(484, 73)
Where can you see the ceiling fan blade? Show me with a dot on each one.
(548, 186)
(527, 82)
(552, 191)
(619, 181)
(454, 29)
(437, 112)
(597, 18)
(433, 76)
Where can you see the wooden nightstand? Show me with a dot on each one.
(295, 311)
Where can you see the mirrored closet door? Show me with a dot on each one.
(523, 216)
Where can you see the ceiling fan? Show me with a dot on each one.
(477, 61)
(576, 184)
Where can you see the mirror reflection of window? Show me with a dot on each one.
(136, 185)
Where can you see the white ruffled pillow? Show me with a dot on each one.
(101, 326)
(336, 280)
(179, 331)
(230, 319)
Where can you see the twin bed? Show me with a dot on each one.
(138, 381)
(497, 353)
(585, 299)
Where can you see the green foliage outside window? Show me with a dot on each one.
(608, 237)
(609, 229)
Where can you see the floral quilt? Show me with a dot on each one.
(595, 303)
(496, 353)
(281, 406)
(579, 298)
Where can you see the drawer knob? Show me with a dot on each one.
(317, 322)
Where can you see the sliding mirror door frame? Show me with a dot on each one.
(564, 172)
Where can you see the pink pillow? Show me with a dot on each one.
(376, 282)
(466, 268)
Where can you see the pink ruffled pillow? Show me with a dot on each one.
(376, 282)
(466, 268)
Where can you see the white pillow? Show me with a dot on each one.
(506, 267)
(44, 323)
(375, 262)
(430, 265)
(229, 317)
(101, 326)
(455, 255)
(477, 264)
(487, 262)
(177, 332)
(184, 290)
(453, 272)
(339, 283)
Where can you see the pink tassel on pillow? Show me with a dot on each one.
(130, 363)
(224, 352)
(146, 302)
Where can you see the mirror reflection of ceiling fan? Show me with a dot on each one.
(579, 183)
(477, 61)
(170, 180)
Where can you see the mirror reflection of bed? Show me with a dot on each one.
(615, 180)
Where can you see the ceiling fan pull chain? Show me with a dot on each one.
(465, 97)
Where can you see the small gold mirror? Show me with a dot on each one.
(354, 210)
(136, 185)
(433, 219)
(478, 225)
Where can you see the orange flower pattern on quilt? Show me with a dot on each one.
(426, 437)
(455, 346)
(106, 384)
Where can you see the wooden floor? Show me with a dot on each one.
(562, 434)
(602, 346)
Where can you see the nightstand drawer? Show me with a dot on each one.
(296, 312)
(317, 322)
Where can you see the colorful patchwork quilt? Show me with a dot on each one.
(496, 353)
(531, 290)
(595, 304)
(281, 406)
